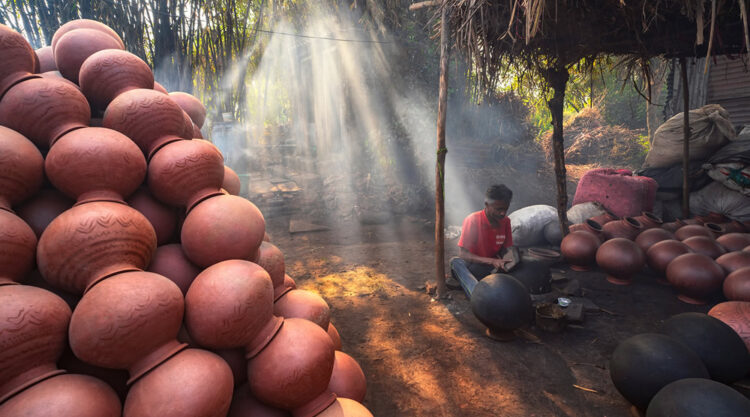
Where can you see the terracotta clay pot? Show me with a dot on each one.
(737, 285)
(691, 230)
(579, 250)
(46, 59)
(660, 254)
(128, 321)
(187, 129)
(192, 383)
(733, 242)
(185, 172)
(44, 207)
(344, 407)
(712, 217)
(65, 395)
(503, 304)
(33, 330)
(289, 282)
(116, 378)
(627, 228)
(649, 220)
(160, 88)
(244, 404)
(17, 248)
(95, 164)
(620, 258)
(271, 259)
(698, 397)
(44, 109)
(736, 314)
(661, 360)
(705, 245)
(347, 379)
(92, 241)
(673, 226)
(197, 132)
(85, 24)
(733, 227)
(719, 347)
(230, 305)
(192, 106)
(605, 218)
(149, 118)
(733, 261)
(589, 226)
(649, 237)
(161, 216)
(220, 228)
(292, 372)
(696, 277)
(235, 358)
(74, 47)
(21, 168)
(334, 336)
(232, 182)
(107, 74)
(18, 59)
(171, 262)
(305, 305)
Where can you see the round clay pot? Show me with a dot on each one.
(334, 336)
(660, 254)
(719, 347)
(171, 262)
(733, 261)
(232, 182)
(244, 404)
(292, 372)
(92, 241)
(289, 282)
(696, 277)
(46, 59)
(116, 378)
(44, 207)
(344, 407)
(533, 270)
(733, 227)
(18, 59)
(149, 118)
(95, 164)
(503, 304)
(711, 217)
(65, 395)
(85, 24)
(197, 132)
(698, 397)
(673, 226)
(185, 172)
(589, 226)
(192, 106)
(605, 218)
(220, 228)
(187, 129)
(347, 379)
(21, 168)
(305, 305)
(230, 305)
(107, 74)
(736, 314)
(128, 321)
(649, 237)
(705, 245)
(235, 358)
(271, 259)
(644, 364)
(627, 228)
(160, 88)
(17, 248)
(161, 216)
(33, 330)
(43, 109)
(733, 242)
(736, 285)
(579, 249)
(649, 220)
(691, 230)
(620, 258)
(193, 382)
(74, 47)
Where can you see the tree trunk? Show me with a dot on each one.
(441, 151)
(557, 78)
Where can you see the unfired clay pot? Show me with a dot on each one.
(344, 407)
(737, 285)
(21, 168)
(579, 249)
(627, 227)
(305, 305)
(74, 47)
(171, 262)
(161, 216)
(107, 74)
(649, 237)
(92, 241)
(244, 404)
(95, 164)
(33, 331)
(220, 228)
(620, 258)
(40, 210)
(660, 254)
(737, 315)
(271, 259)
(734, 241)
(192, 106)
(185, 172)
(18, 59)
(347, 379)
(695, 276)
(46, 59)
(17, 248)
(334, 336)
(149, 118)
(85, 24)
(705, 245)
(232, 183)
(43, 109)
(733, 261)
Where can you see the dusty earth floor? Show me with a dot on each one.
(427, 357)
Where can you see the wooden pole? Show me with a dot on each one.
(686, 141)
(441, 151)
(557, 78)
(423, 4)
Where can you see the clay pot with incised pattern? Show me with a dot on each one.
(85, 24)
(347, 379)
(39, 211)
(74, 47)
(305, 305)
(18, 59)
(17, 248)
(161, 216)
(107, 74)
(271, 259)
(231, 182)
(21, 168)
(192, 106)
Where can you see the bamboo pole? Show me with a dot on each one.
(557, 78)
(686, 140)
(441, 151)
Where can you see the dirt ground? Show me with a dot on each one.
(427, 357)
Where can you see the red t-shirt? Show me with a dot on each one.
(480, 238)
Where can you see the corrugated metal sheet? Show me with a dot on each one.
(729, 86)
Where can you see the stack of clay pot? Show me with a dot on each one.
(142, 237)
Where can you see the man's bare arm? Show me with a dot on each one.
(470, 257)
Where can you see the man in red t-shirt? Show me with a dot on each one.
(485, 236)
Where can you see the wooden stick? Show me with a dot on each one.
(441, 151)
(557, 78)
(423, 4)
(686, 139)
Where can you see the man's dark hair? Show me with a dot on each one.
(499, 192)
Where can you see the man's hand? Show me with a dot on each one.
(499, 264)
